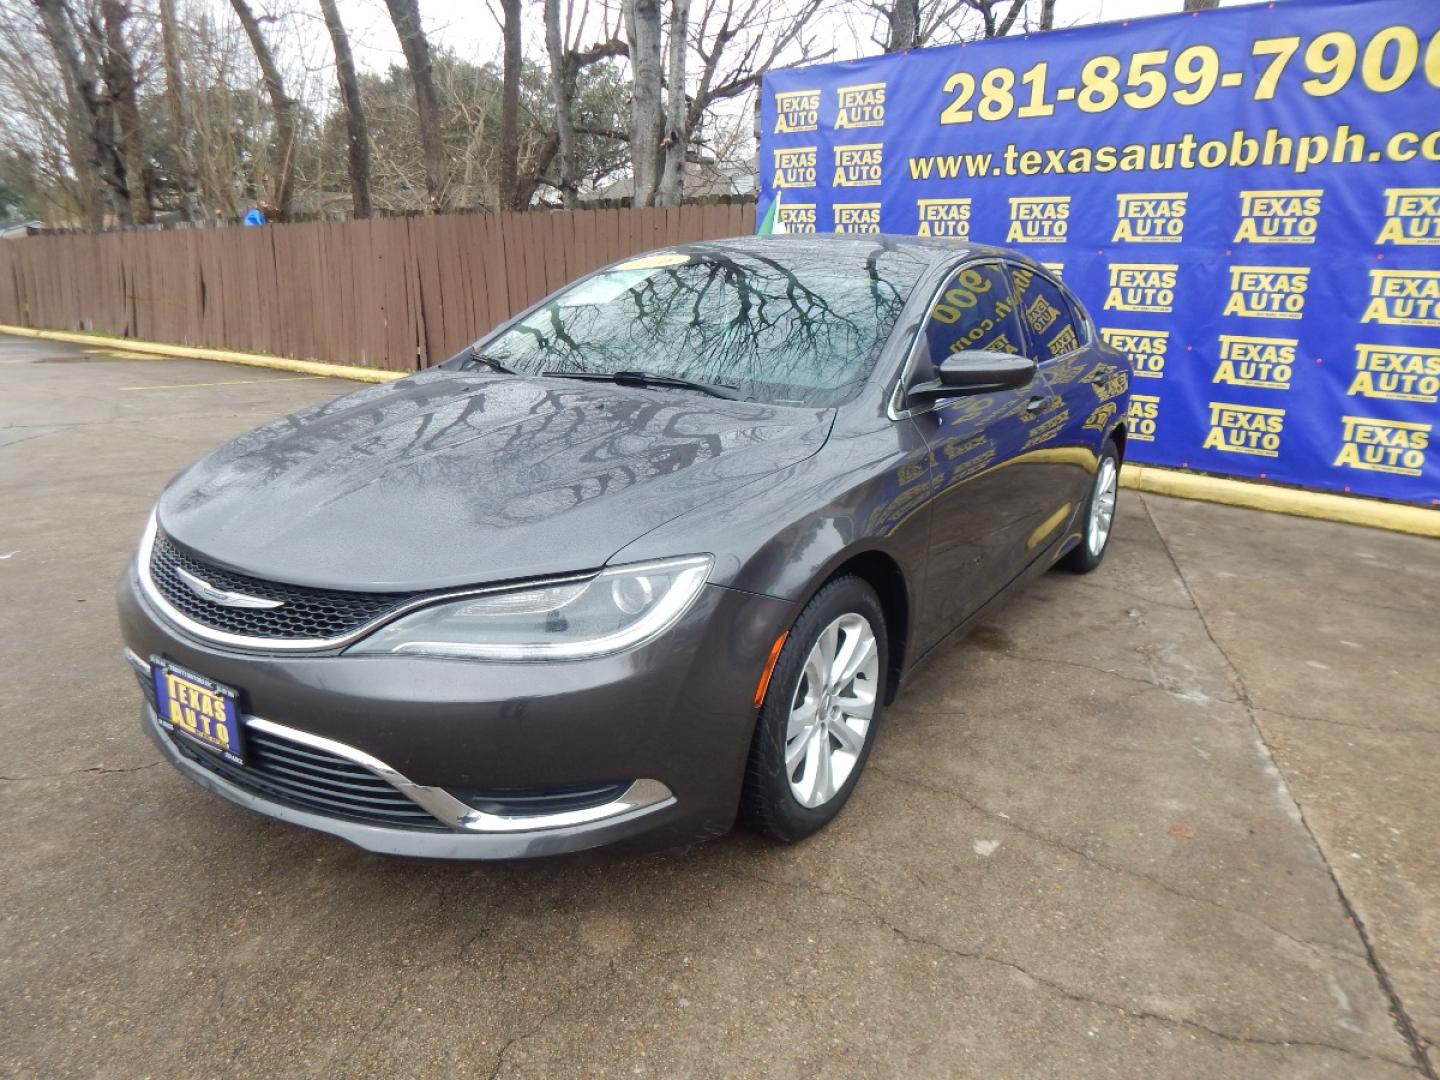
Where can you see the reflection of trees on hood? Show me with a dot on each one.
(497, 450)
(739, 318)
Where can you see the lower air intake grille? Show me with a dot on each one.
(309, 779)
(531, 802)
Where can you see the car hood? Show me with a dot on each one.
(446, 479)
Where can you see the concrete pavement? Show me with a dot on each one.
(1176, 818)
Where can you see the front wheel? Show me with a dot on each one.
(818, 719)
(1099, 515)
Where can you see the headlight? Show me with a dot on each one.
(565, 620)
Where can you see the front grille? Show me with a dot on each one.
(307, 613)
(309, 779)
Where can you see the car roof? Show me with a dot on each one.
(828, 249)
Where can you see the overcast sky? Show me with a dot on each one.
(467, 26)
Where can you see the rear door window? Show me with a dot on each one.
(1047, 314)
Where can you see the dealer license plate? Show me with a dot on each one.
(199, 709)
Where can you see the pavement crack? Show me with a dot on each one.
(1127, 1011)
(384, 1015)
(1399, 609)
(1053, 985)
(399, 993)
(101, 769)
(1348, 723)
(1111, 590)
(1172, 688)
(1403, 1024)
(1115, 868)
(547, 1016)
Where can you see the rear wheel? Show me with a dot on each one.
(1099, 515)
(818, 720)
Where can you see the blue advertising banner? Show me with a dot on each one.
(1247, 200)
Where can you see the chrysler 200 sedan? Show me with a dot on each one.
(655, 552)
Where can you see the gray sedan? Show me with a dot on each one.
(657, 551)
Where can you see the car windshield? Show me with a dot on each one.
(801, 331)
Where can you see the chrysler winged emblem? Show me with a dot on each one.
(203, 589)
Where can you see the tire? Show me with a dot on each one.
(1099, 520)
(789, 804)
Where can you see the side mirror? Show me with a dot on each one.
(978, 372)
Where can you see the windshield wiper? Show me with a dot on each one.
(647, 378)
(477, 357)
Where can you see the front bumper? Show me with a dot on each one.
(499, 838)
(672, 720)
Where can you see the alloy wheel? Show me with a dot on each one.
(1102, 506)
(832, 709)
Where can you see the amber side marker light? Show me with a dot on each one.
(764, 683)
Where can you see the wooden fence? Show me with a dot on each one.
(393, 293)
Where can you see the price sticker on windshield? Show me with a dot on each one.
(654, 262)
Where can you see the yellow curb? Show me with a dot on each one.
(224, 356)
(218, 382)
(1397, 517)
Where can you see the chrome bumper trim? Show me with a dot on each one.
(641, 797)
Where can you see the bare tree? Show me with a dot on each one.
(78, 139)
(567, 61)
(181, 120)
(90, 134)
(357, 136)
(996, 27)
(282, 149)
(564, 107)
(737, 42)
(642, 28)
(119, 70)
(44, 145)
(676, 141)
(911, 24)
(405, 14)
(510, 105)
(1201, 5)
(111, 117)
(229, 112)
(902, 25)
(1047, 14)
